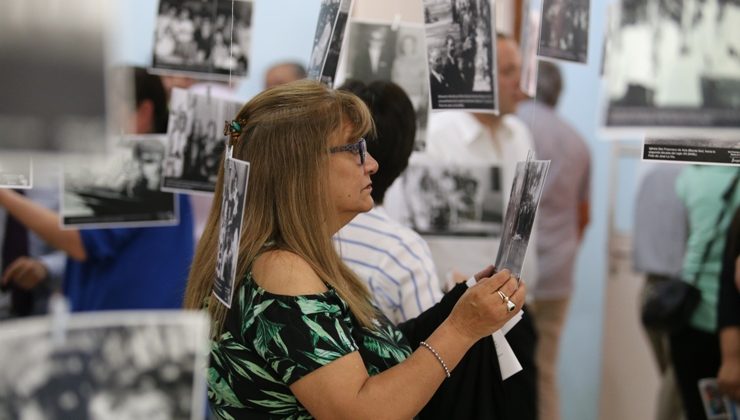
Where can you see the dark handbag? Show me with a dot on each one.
(668, 305)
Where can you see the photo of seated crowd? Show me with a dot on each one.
(196, 36)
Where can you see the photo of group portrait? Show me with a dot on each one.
(203, 36)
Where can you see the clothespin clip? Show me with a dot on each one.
(60, 313)
(396, 22)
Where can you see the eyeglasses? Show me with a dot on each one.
(359, 148)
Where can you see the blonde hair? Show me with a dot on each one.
(285, 137)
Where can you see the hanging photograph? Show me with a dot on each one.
(460, 50)
(453, 200)
(236, 177)
(328, 40)
(52, 77)
(203, 37)
(692, 150)
(530, 39)
(195, 141)
(564, 30)
(377, 51)
(526, 191)
(674, 64)
(120, 189)
(16, 171)
(106, 365)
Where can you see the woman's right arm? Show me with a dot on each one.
(343, 388)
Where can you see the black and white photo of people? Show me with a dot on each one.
(195, 36)
(120, 188)
(384, 51)
(526, 192)
(460, 43)
(195, 141)
(328, 39)
(453, 200)
(59, 50)
(16, 171)
(675, 63)
(110, 365)
(530, 36)
(564, 30)
(236, 176)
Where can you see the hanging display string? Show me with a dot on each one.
(231, 44)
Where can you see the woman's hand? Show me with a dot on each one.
(481, 310)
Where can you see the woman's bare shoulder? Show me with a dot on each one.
(286, 273)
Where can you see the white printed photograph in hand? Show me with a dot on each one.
(195, 140)
(461, 53)
(203, 37)
(330, 27)
(16, 170)
(236, 177)
(109, 365)
(120, 189)
(526, 191)
(453, 200)
(692, 150)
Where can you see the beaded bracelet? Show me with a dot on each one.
(434, 352)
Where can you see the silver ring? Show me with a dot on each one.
(503, 296)
(510, 306)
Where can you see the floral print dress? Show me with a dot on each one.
(270, 341)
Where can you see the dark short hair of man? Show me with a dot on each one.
(549, 83)
(149, 87)
(395, 126)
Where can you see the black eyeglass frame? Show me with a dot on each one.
(358, 148)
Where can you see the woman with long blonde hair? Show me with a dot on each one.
(303, 338)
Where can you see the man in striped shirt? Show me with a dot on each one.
(393, 259)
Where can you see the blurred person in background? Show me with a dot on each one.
(128, 268)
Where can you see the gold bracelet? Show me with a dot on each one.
(434, 352)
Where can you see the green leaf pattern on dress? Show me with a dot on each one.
(270, 341)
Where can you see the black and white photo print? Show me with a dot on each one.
(195, 141)
(120, 188)
(692, 150)
(530, 39)
(453, 200)
(52, 53)
(236, 177)
(203, 37)
(674, 64)
(107, 365)
(526, 191)
(16, 170)
(394, 52)
(460, 45)
(564, 30)
(325, 26)
(331, 62)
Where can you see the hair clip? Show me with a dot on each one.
(233, 128)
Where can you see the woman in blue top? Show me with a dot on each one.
(302, 338)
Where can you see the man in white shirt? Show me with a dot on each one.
(456, 137)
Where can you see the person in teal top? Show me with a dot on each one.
(302, 338)
(711, 195)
